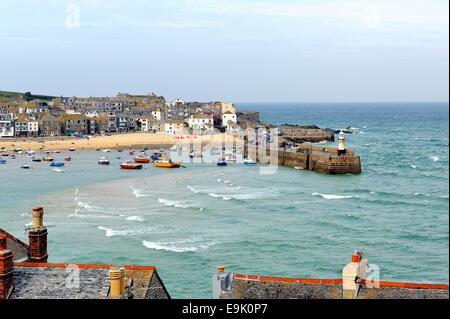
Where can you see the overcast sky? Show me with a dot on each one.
(240, 51)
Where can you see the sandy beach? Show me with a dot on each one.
(129, 140)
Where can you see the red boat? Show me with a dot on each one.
(68, 158)
(131, 152)
(142, 159)
(130, 165)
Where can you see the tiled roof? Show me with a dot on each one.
(55, 281)
(265, 287)
(18, 248)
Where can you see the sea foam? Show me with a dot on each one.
(332, 197)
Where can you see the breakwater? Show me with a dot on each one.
(308, 157)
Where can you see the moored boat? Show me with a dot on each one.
(222, 162)
(68, 158)
(36, 160)
(142, 159)
(2, 160)
(249, 161)
(130, 165)
(103, 161)
(57, 164)
(166, 162)
(48, 159)
(25, 166)
(58, 170)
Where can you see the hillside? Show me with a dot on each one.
(7, 95)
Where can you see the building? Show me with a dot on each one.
(354, 284)
(26, 274)
(49, 126)
(228, 120)
(75, 124)
(6, 124)
(201, 122)
(171, 127)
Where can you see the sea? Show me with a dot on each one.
(289, 223)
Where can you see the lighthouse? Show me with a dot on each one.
(341, 148)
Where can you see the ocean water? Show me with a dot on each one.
(291, 223)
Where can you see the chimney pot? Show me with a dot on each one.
(220, 268)
(115, 276)
(37, 217)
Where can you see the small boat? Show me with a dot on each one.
(299, 168)
(57, 164)
(58, 170)
(25, 166)
(106, 151)
(48, 159)
(18, 150)
(31, 153)
(103, 161)
(249, 161)
(120, 150)
(130, 165)
(4, 154)
(47, 152)
(56, 151)
(131, 153)
(36, 160)
(166, 162)
(142, 159)
(68, 158)
(12, 156)
(98, 150)
(2, 160)
(72, 149)
(222, 162)
(174, 148)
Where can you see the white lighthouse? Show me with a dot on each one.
(341, 147)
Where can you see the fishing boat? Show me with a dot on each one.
(36, 160)
(249, 161)
(25, 166)
(2, 160)
(48, 159)
(68, 158)
(142, 159)
(166, 162)
(103, 161)
(57, 164)
(130, 165)
(222, 162)
(58, 170)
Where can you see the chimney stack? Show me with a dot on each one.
(117, 283)
(37, 237)
(352, 273)
(6, 268)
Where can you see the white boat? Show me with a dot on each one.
(299, 168)
(106, 151)
(25, 166)
(103, 161)
(58, 170)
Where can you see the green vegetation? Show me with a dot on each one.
(25, 96)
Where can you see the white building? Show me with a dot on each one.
(33, 128)
(228, 118)
(157, 114)
(6, 129)
(201, 122)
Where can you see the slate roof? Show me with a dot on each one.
(265, 287)
(56, 281)
(18, 248)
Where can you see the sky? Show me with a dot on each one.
(230, 50)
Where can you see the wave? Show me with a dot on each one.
(434, 158)
(413, 166)
(332, 197)
(182, 246)
(194, 190)
(78, 215)
(135, 219)
(109, 232)
(138, 193)
(177, 204)
(89, 207)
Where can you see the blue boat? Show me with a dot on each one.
(249, 161)
(2, 160)
(56, 164)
